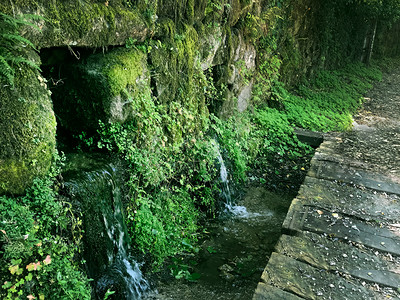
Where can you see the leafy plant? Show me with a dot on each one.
(183, 270)
(13, 46)
(38, 250)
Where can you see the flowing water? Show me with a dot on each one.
(94, 187)
(233, 253)
(235, 250)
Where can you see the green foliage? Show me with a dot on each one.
(262, 143)
(183, 270)
(13, 46)
(163, 222)
(233, 135)
(38, 257)
(268, 72)
(328, 101)
(385, 10)
(171, 181)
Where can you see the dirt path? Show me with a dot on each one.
(343, 228)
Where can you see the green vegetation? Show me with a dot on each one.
(27, 124)
(39, 242)
(171, 180)
(14, 47)
(328, 101)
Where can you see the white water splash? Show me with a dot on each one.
(230, 206)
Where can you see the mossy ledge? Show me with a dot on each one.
(78, 23)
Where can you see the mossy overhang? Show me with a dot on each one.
(101, 87)
(80, 23)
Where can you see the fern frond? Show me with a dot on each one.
(23, 20)
(17, 39)
(33, 65)
(8, 20)
(22, 60)
(7, 54)
(6, 71)
(33, 17)
(12, 44)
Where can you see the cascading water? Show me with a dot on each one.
(226, 192)
(230, 206)
(97, 190)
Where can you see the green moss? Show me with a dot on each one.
(182, 12)
(83, 23)
(120, 68)
(79, 18)
(165, 29)
(190, 11)
(27, 131)
(180, 83)
(7, 8)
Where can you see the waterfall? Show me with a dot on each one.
(226, 192)
(230, 206)
(97, 192)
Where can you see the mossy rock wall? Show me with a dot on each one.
(101, 87)
(27, 131)
(81, 23)
(186, 45)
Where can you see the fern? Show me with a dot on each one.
(14, 47)
(6, 71)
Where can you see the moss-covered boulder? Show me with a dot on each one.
(27, 131)
(101, 87)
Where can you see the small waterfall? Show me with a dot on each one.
(106, 240)
(230, 206)
(226, 192)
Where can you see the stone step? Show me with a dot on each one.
(340, 172)
(382, 237)
(349, 200)
(308, 282)
(333, 256)
(309, 137)
(269, 292)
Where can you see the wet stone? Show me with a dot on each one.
(332, 224)
(335, 255)
(268, 292)
(308, 282)
(350, 200)
(343, 173)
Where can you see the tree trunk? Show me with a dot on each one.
(369, 42)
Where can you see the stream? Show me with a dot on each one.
(234, 252)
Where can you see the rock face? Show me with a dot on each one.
(27, 131)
